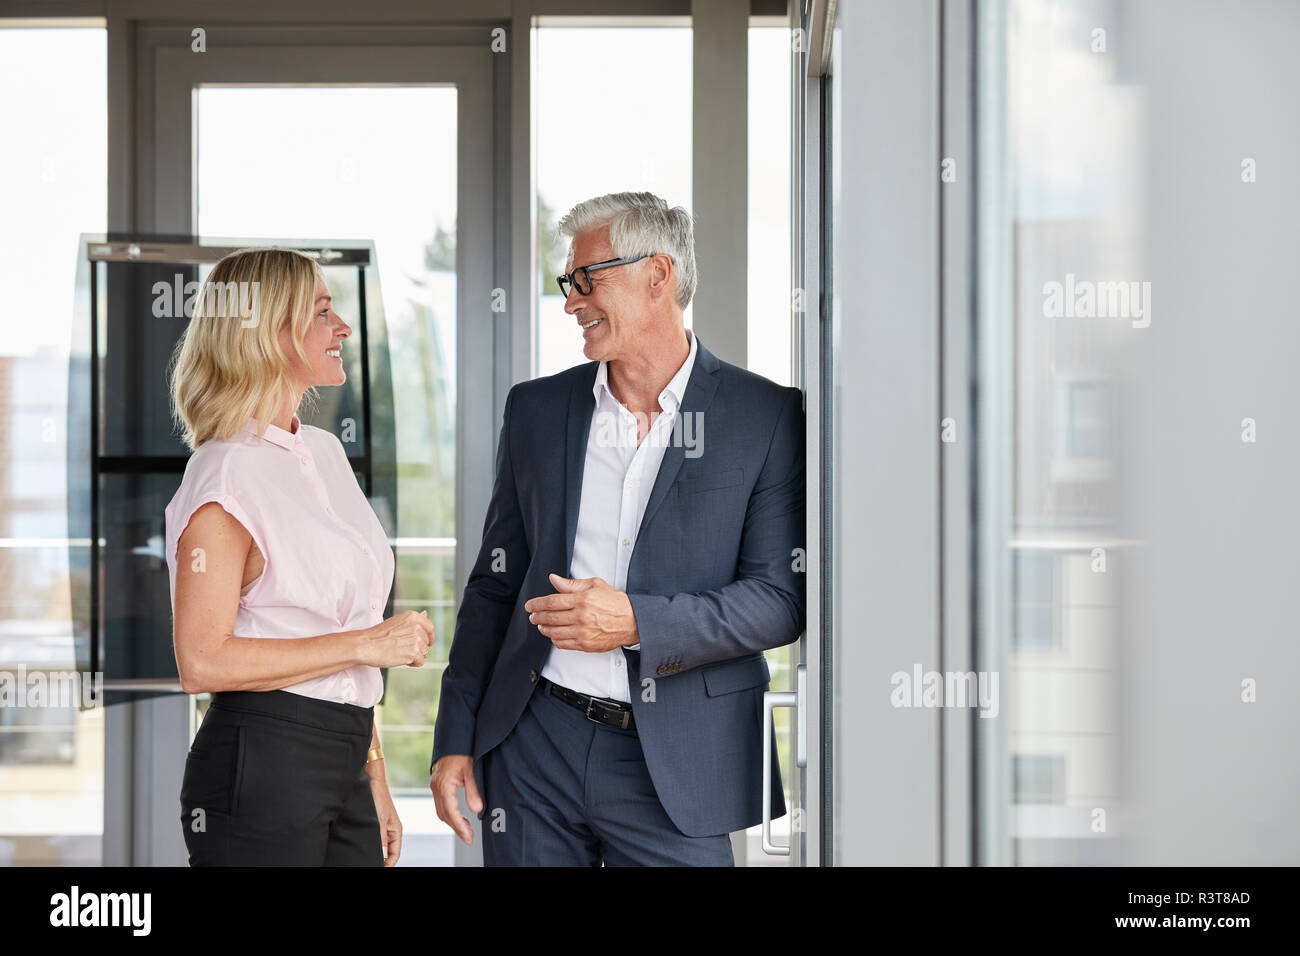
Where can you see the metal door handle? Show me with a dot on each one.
(771, 700)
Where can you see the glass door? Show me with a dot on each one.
(391, 144)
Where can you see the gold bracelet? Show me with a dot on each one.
(374, 755)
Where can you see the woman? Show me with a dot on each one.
(280, 573)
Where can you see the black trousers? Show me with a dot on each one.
(278, 779)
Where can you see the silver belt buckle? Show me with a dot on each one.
(626, 715)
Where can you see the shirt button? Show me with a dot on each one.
(618, 662)
(302, 459)
(627, 543)
(366, 552)
(374, 606)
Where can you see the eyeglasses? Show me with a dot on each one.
(580, 278)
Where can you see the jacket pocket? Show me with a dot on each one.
(727, 478)
(740, 674)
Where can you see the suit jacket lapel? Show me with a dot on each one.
(699, 394)
(581, 406)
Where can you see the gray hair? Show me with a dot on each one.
(640, 223)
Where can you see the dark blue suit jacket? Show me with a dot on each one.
(715, 579)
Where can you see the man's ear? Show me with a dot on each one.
(661, 273)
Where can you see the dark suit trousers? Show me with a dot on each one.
(561, 790)
(278, 779)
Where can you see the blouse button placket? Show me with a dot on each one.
(352, 533)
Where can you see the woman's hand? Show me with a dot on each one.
(390, 828)
(403, 639)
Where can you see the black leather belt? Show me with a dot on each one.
(596, 709)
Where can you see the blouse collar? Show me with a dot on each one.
(277, 435)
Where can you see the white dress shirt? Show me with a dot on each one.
(617, 478)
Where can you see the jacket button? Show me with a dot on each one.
(532, 677)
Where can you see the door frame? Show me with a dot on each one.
(141, 782)
(809, 787)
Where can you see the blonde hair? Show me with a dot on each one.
(229, 365)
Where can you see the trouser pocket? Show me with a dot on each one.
(287, 777)
(213, 767)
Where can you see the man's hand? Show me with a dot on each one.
(584, 615)
(450, 774)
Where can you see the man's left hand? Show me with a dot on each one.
(587, 614)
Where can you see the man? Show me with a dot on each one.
(607, 670)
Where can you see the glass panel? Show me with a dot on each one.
(1039, 779)
(1035, 589)
(769, 318)
(138, 333)
(1059, 126)
(640, 71)
(769, 307)
(142, 309)
(51, 757)
(376, 163)
(135, 588)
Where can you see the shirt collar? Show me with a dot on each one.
(277, 435)
(675, 388)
